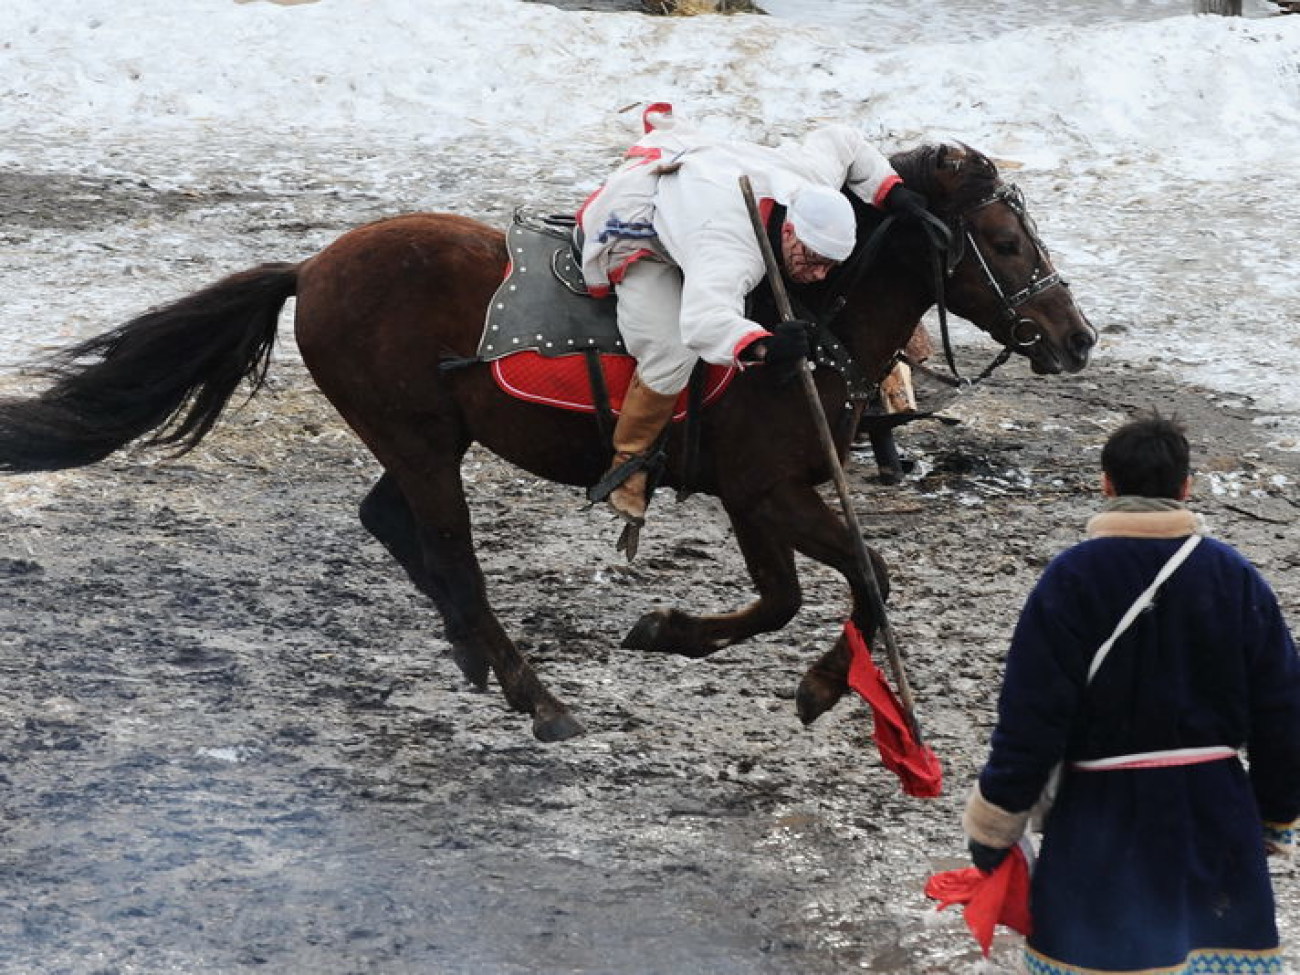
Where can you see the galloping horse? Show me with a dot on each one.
(382, 307)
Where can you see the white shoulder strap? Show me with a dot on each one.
(1143, 601)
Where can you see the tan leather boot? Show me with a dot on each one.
(644, 415)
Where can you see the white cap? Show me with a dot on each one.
(823, 220)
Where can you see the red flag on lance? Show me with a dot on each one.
(897, 738)
(990, 899)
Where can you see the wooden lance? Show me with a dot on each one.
(863, 559)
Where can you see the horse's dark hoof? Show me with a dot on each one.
(668, 631)
(895, 471)
(559, 726)
(646, 634)
(817, 694)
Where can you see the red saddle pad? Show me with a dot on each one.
(562, 381)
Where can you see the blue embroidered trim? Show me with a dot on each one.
(1205, 961)
(626, 230)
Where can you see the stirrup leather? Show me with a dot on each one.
(650, 461)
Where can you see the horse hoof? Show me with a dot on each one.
(557, 727)
(816, 695)
(646, 634)
(668, 631)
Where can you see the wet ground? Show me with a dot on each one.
(230, 741)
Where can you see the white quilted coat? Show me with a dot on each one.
(677, 198)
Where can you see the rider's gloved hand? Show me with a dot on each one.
(785, 349)
(787, 343)
(904, 202)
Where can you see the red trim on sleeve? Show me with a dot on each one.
(646, 154)
(746, 340)
(882, 191)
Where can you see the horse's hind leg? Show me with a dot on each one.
(428, 531)
(388, 517)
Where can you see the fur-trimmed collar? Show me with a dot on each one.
(1132, 517)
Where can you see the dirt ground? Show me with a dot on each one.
(230, 740)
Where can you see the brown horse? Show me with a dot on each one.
(382, 307)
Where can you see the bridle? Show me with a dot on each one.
(954, 242)
(950, 243)
(1039, 282)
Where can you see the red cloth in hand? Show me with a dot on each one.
(915, 764)
(1000, 897)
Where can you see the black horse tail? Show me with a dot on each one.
(168, 374)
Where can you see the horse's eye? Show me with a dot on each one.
(1007, 246)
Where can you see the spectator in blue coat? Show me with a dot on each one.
(1144, 695)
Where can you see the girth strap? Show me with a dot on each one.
(599, 395)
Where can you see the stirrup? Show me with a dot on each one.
(652, 463)
(616, 476)
(623, 474)
(628, 540)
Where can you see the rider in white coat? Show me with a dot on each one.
(671, 234)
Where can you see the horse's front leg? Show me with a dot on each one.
(827, 539)
(769, 556)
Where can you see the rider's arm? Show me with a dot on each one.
(839, 155)
(723, 266)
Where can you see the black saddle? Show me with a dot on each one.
(543, 304)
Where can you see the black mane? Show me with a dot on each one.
(921, 168)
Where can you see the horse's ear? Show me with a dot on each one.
(951, 158)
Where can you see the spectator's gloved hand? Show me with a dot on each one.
(904, 202)
(985, 858)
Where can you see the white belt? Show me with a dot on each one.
(1165, 759)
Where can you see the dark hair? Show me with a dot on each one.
(1147, 457)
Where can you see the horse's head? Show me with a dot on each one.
(999, 273)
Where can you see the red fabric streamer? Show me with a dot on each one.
(916, 766)
(1000, 897)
